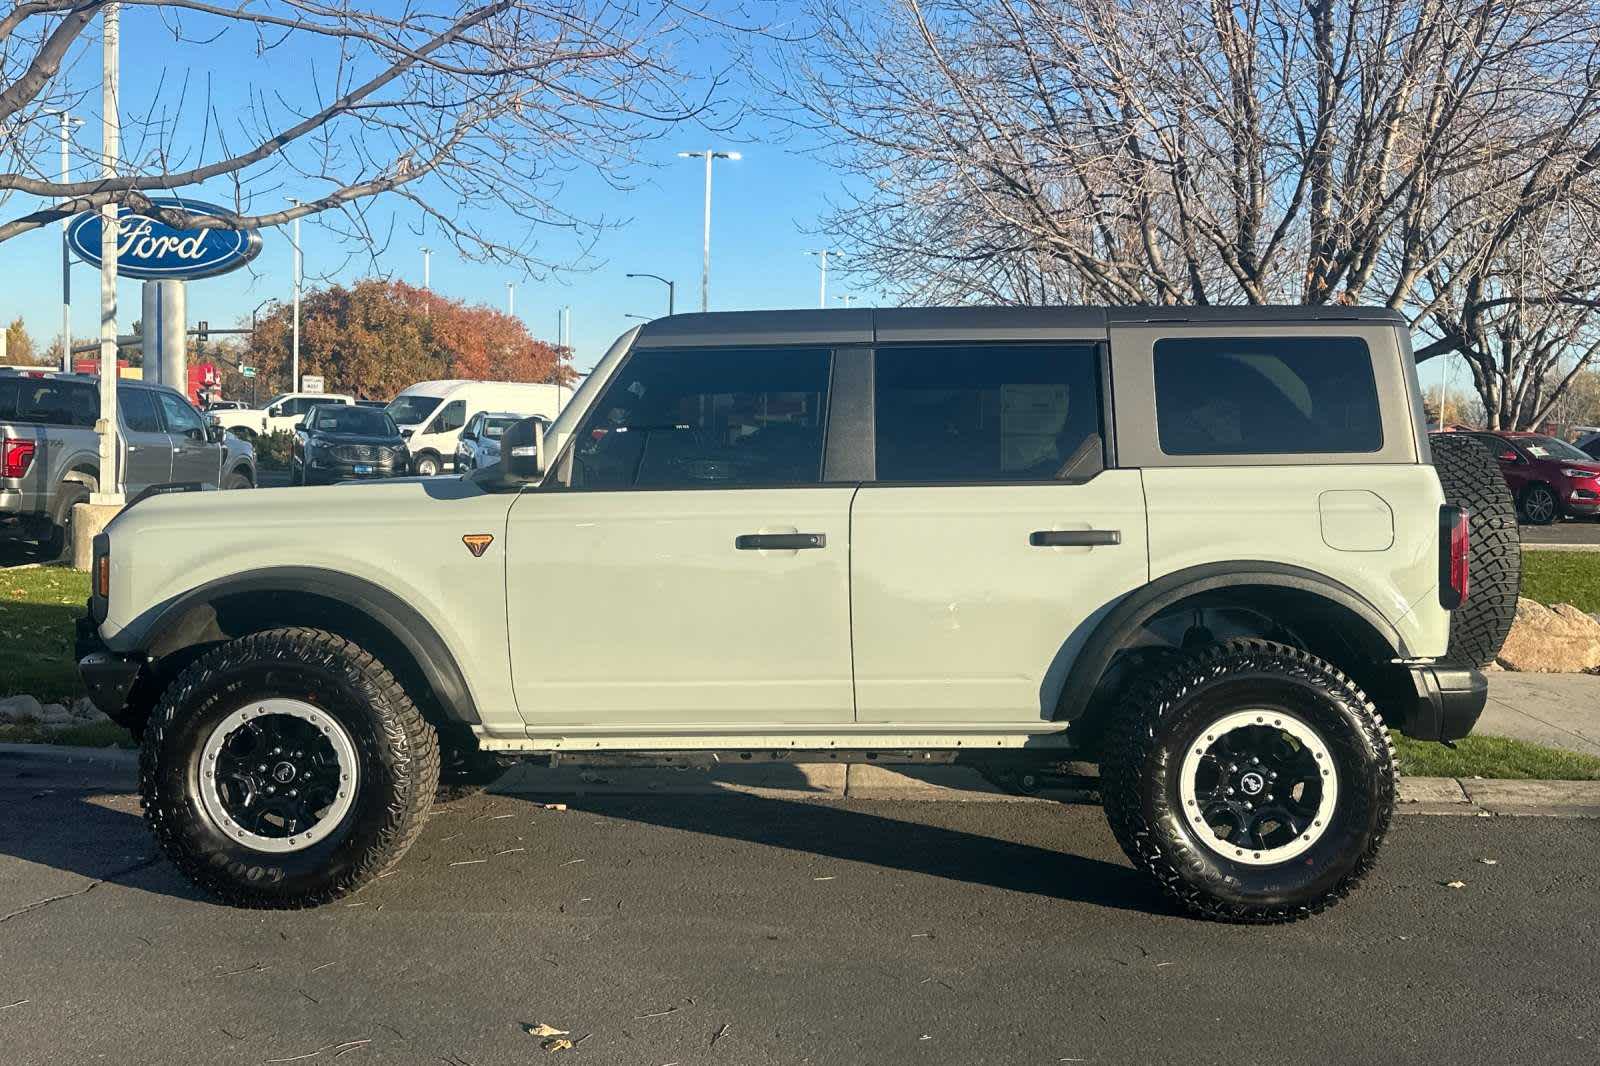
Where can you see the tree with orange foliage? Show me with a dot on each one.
(377, 337)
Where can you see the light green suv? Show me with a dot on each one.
(1201, 548)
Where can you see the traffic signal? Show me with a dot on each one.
(202, 328)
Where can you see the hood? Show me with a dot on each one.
(382, 439)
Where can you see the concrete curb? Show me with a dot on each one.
(1466, 797)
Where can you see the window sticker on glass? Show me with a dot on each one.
(1031, 417)
(1538, 451)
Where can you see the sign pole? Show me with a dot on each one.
(110, 133)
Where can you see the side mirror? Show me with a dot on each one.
(522, 449)
(1508, 456)
(214, 433)
(300, 425)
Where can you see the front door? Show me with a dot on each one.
(992, 535)
(694, 566)
(194, 457)
(146, 448)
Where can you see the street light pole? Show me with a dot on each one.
(111, 475)
(427, 258)
(709, 155)
(511, 299)
(822, 282)
(68, 124)
(672, 289)
(294, 365)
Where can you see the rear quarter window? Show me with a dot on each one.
(50, 402)
(1266, 396)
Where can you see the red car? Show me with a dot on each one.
(1549, 477)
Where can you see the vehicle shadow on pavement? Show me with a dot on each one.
(854, 835)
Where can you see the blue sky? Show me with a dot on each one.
(763, 205)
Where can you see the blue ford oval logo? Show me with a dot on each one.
(154, 251)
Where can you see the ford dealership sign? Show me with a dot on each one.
(155, 251)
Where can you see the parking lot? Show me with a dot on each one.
(751, 930)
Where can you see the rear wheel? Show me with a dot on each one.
(57, 540)
(1253, 781)
(286, 769)
(1471, 478)
(237, 480)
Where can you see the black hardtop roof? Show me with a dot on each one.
(892, 324)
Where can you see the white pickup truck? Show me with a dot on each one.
(280, 415)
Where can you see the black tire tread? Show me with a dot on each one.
(1132, 738)
(403, 726)
(1471, 478)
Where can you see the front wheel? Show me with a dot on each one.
(1540, 506)
(1253, 781)
(286, 769)
(426, 465)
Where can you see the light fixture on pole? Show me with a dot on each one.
(427, 261)
(672, 289)
(822, 281)
(511, 298)
(709, 155)
(294, 365)
(849, 298)
(110, 148)
(68, 124)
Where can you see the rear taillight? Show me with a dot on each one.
(1454, 548)
(15, 457)
(102, 576)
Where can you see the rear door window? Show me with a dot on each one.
(1266, 396)
(987, 413)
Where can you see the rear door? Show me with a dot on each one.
(147, 449)
(694, 569)
(991, 534)
(194, 457)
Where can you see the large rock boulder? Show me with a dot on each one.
(20, 708)
(1551, 640)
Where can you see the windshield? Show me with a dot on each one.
(410, 410)
(493, 428)
(1551, 448)
(340, 418)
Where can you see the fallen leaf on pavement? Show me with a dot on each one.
(559, 1044)
(1490, 862)
(555, 806)
(1455, 884)
(541, 1029)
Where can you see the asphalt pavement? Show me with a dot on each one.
(1568, 533)
(746, 930)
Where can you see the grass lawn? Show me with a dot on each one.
(38, 609)
(1494, 757)
(1562, 577)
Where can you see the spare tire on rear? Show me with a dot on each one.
(1472, 479)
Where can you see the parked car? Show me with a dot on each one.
(380, 404)
(432, 413)
(50, 453)
(480, 438)
(280, 415)
(226, 405)
(1550, 478)
(1213, 552)
(1589, 444)
(343, 442)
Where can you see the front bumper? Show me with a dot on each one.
(1448, 701)
(325, 471)
(110, 679)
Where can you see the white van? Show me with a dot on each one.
(430, 414)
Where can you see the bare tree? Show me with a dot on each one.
(451, 106)
(1405, 153)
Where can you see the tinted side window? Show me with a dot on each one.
(138, 409)
(1278, 396)
(55, 402)
(987, 413)
(453, 415)
(181, 418)
(708, 417)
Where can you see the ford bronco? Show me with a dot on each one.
(1212, 551)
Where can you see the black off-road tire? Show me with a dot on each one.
(396, 750)
(1143, 759)
(1471, 478)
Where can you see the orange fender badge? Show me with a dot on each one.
(478, 543)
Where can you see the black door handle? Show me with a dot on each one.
(780, 541)
(1074, 538)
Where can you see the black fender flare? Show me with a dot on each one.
(1138, 607)
(384, 608)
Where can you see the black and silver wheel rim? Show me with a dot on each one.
(1540, 504)
(1258, 787)
(278, 775)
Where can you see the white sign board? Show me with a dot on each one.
(311, 383)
